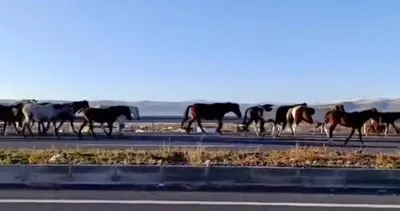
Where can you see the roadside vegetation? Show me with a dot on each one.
(296, 157)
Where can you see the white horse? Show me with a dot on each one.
(122, 119)
(34, 112)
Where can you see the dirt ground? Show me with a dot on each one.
(227, 128)
(210, 127)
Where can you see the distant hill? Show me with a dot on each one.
(159, 108)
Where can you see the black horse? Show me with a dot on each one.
(103, 115)
(10, 114)
(256, 114)
(213, 111)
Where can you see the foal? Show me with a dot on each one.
(255, 114)
(103, 115)
(353, 120)
(213, 111)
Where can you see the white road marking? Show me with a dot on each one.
(213, 203)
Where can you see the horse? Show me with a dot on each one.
(255, 114)
(77, 106)
(9, 115)
(319, 117)
(43, 112)
(388, 118)
(121, 119)
(213, 111)
(280, 118)
(103, 115)
(298, 114)
(375, 126)
(353, 120)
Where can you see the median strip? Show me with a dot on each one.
(315, 157)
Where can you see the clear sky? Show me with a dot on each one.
(220, 50)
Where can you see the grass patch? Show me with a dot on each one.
(296, 157)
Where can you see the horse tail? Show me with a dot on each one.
(245, 115)
(186, 115)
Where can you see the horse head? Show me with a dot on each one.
(268, 107)
(124, 110)
(79, 106)
(309, 111)
(235, 108)
(135, 112)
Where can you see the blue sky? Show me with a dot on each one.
(220, 50)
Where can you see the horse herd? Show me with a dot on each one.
(292, 116)
(28, 112)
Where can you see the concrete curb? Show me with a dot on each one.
(198, 178)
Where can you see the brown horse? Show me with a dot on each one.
(280, 118)
(213, 111)
(353, 120)
(103, 115)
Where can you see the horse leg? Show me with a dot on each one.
(4, 128)
(71, 122)
(395, 128)
(79, 134)
(387, 129)
(293, 127)
(55, 129)
(349, 137)
(110, 128)
(329, 132)
(282, 127)
(262, 127)
(201, 126)
(255, 127)
(47, 128)
(29, 127)
(360, 137)
(220, 124)
(189, 126)
(92, 129)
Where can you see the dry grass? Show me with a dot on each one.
(297, 157)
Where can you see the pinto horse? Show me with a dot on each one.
(353, 120)
(280, 118)
(255, 114)
(103, 115)
(34, 112)
(213, 111)
(375, 127)
(298, 114)
(121, 119)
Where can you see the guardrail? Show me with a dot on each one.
(196, 178)
(171, 119)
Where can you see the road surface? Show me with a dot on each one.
(38, 200)
(155, 141)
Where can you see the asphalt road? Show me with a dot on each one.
(38, 200)
(155, 141)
